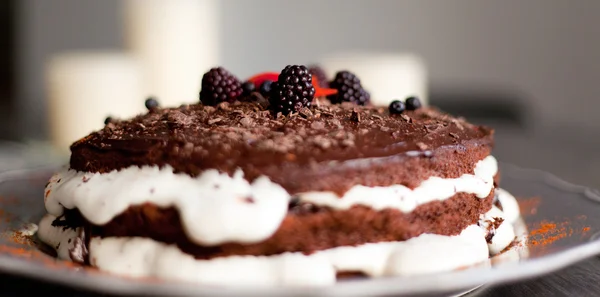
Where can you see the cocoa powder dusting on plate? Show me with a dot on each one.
(547, 232)
(529, 206)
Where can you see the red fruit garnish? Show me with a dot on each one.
(321, 92)
(258, 79)
(325, 92)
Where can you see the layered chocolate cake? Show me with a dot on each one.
(281, 179)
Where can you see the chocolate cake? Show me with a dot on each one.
(278, 180)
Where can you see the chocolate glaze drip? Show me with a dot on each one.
(491, 229)
(72, 219)
(309, 150)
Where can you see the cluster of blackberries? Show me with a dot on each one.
(292, 91)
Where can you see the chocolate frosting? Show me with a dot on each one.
(300, 151)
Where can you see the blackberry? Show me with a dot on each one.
(265, 88)
(151, 103)
(108, 120)
(318, 72)
(412, 103)
(219, 85)
(292, 91)
(396, 107)
(247, 88)
(349, 89)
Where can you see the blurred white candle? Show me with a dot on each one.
(387, 76)
(84, 88)
(177, 42)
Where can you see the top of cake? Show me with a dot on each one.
(260, 137)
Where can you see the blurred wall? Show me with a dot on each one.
(49, 27)
(547, 49)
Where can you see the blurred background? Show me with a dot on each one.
(531, 69)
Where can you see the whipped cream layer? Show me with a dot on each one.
(213, 207)
(427, 253)
(405, 199)
(144, 257)
(59, 238)
(217, 208)
(499, 229)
